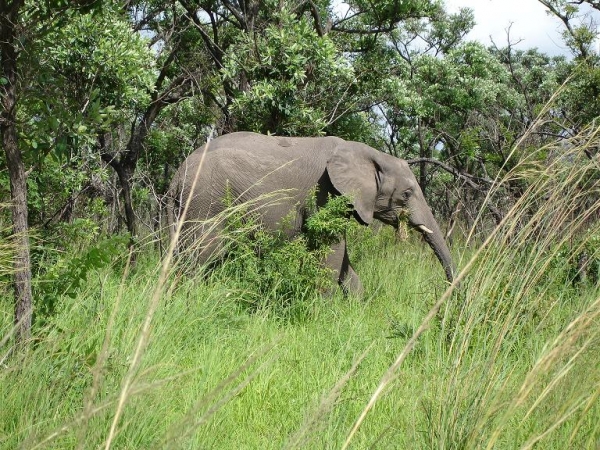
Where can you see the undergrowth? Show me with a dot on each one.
(274, 273)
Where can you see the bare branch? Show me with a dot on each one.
(566, 20)
(471, 180)
(237, 14)
(315, 13)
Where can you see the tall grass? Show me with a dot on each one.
(212, 375)
(510, 360)
(522, 338)
(519, 343)
(6, 249)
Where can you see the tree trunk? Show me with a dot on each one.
(124, 168)
(124, 174)
(9, 13)
(125, 181)
(21, 262)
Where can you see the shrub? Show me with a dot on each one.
(69, 271)
(276, 273)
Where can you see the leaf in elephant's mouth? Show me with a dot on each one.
(403, 214)
(402, 230)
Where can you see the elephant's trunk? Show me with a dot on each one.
(433, 236)
(427, 225)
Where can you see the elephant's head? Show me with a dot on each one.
(383, 187)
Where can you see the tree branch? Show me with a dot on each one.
(471, 180)
(314, 12)
(565, 18)
(237, 14)
(215, 52)
(593, 3)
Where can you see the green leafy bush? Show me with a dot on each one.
(69, 272)
(577, 261)
(328, 225)
(276, 273)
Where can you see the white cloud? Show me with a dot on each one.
(531, 25)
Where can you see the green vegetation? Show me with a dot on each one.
(102, 101)
(101, 346)
(273, 272)
(216, 375)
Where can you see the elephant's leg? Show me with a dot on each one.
(343, 273)
(352, 282)
(203, 243)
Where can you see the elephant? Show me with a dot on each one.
(247, 166)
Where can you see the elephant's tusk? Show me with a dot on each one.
(424, 229)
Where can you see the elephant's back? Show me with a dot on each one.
(261, 144)
(259, 162)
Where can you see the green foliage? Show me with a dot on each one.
(576, 262)
(384, 14)
(580, 98)
(328, 225)
(7, 247)
(468, 79)
(590, 269)
(245, 370)
(99, 54)
(176, 133)
(360, 127)
(298, 77)
(57, 192)
(87, 72)
(69, 273)
(276, 273)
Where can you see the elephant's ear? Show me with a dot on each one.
(354, 172)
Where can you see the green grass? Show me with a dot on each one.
(200, 336)
(216, 376)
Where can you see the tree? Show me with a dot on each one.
(419, 38)
(95, 74)
(579, 102)
(580, 26)
(459, 107)
(9, 20)
(178, 72)
(23, 124)
(291, 67)
(297, 82)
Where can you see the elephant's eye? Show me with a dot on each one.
(407, 193)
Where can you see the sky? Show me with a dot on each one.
(530, 24)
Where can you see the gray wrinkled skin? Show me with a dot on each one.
(251, 167)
